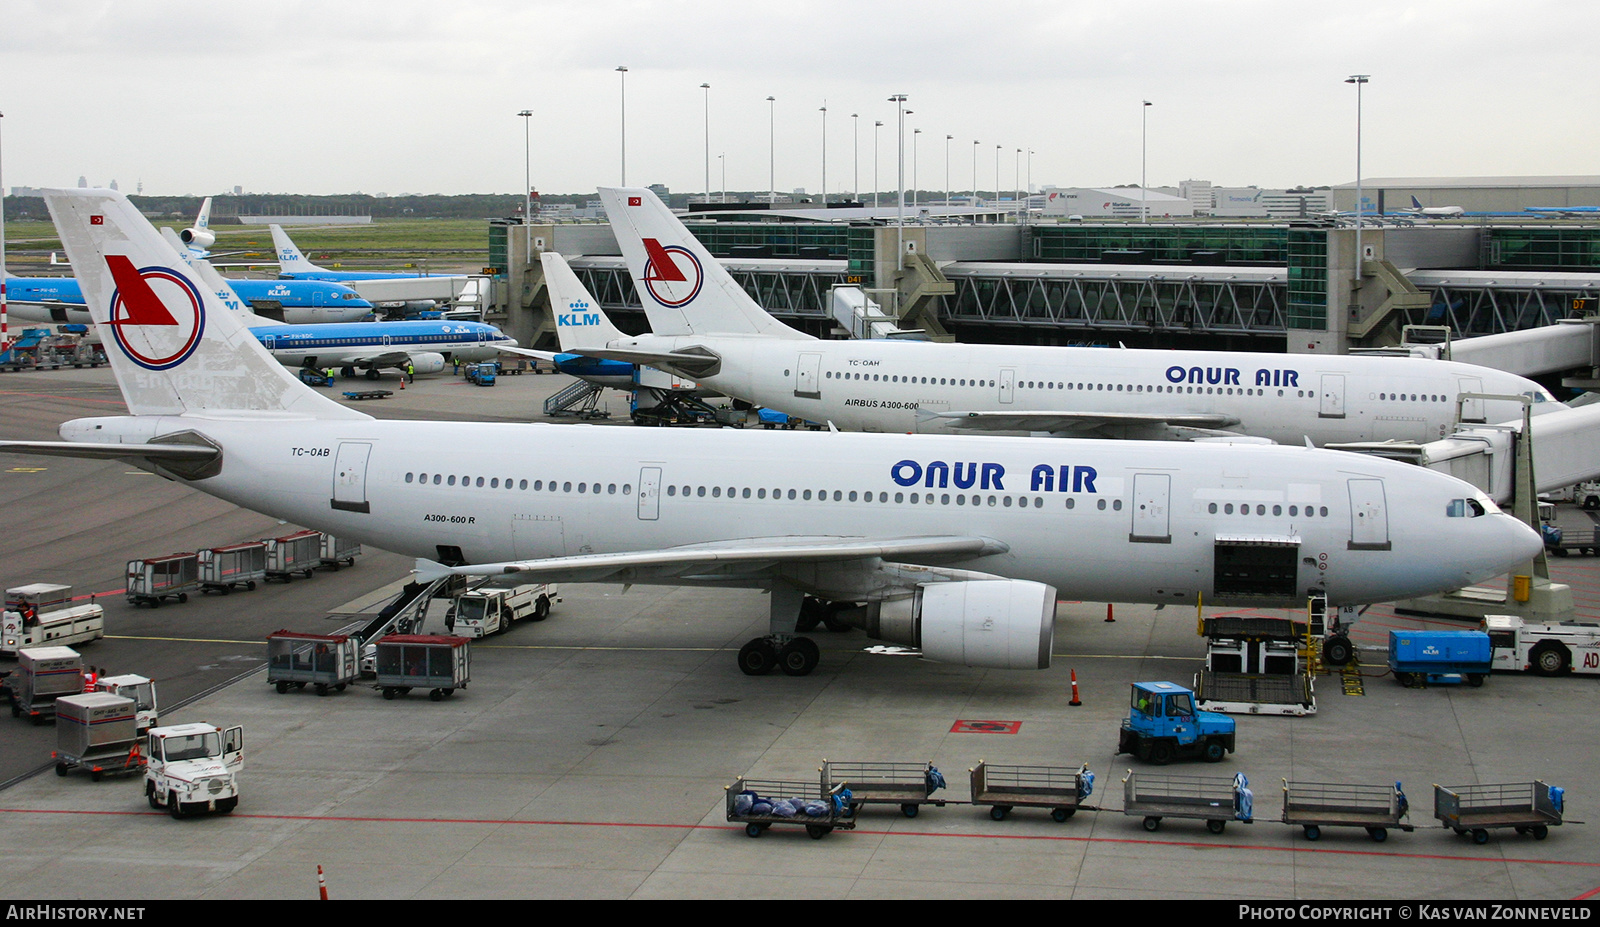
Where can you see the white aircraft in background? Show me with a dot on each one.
(957, 545)
(199, 238)
(705, 327)
(1438, 212)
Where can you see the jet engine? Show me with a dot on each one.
(197, 238)
(1000, 623)
(427, 362)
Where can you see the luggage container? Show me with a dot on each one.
(909, 785)
(1528, 807)
(760, 803)
(338, 550)
(1315, 805)
(1212, 799)
(1059, 788)
(43, 675)
(222, 568)
(300, 552)
(97, 731)
(1440, 657)
(41, 614)
(423, 661)
(171, 577)
(323, 661)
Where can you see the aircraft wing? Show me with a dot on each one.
(1086, 424)
(721, 559)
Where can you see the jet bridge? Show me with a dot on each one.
(1568, 345)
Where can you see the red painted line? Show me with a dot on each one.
(1124, 841)
(1588, 894)
(118, 591)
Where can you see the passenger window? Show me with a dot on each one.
(523, 485)
(565, 487)
(451, 481)
(408, 477)
(480, 482)
(701, 492)
(436, 479)
(1071, 503)
(672, 490)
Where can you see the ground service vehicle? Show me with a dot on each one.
(1528, 807)
(1162, 724)
(43, 675)
(42, 613)
(481, 374)
(1546, 649)
(1315, 805)
(222, 568)
(485, 611)
(300, 552)
(323, 661)
(147, 711)
(193, 768)
(1587, 495)
(1439, 657)
(171, 577)
(311, 376)
(95, 731)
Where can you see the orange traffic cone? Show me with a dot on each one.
(322, 884)
(1108, 612)
(1075, 701)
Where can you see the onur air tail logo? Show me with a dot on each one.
(156, 314)
(672, 275)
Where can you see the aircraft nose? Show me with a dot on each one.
(1513, 544)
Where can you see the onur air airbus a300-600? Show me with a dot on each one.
(957, 545)
(705, 327)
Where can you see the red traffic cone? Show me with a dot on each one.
(1075, 701)
(1108, 613)
(322, 884)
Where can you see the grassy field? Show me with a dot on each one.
(398, 244)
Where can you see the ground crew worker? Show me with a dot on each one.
(455, 367)
(411, 373)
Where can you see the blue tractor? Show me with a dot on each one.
(1162, 724)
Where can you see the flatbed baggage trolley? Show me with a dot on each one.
(300, 552)
(435, 662)
(1529, 807)
(222, 568)
(96, 731)
(908, 785)
(1315, 805)
(1212, 799)
(323, 661)
(761, 803)
(1062, 789)
(171, 577)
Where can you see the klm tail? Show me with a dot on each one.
(174, 347)
(290, 260)
(685, 291)
(580, 322)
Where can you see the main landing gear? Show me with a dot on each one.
(782, 649)
(796, 656)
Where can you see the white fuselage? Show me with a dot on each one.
(897, 386)
(1099, 520)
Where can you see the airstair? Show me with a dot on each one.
(581, 400)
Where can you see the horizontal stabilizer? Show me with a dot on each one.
(159, 453)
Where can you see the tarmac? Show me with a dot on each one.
(590, 754)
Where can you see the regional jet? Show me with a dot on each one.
(957, 545)
(705, 327)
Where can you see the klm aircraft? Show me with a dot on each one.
(60, 299)
(414, 291)
(372, 346)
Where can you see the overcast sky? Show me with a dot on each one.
(399, 96)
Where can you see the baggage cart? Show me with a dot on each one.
(1315, 805)
(1528, 807)
(338, 550)
(43, 675)
(435, 662)
(96, 731)
(322, 661)
(760, 803)
(1212, 799)
(908, 785)
(171, 577)
(222, 568)
(300, 552)
(1059, 788)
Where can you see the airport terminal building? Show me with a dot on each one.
(1474, 194)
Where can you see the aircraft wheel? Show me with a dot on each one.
(1337, 651)
(799, 657)
(757, 658)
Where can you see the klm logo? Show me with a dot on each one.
(577, 318)
(280, 290)
(285, 255)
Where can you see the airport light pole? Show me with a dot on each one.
(772, 150)
(824, 154)
(1358, 80)
(623, 73)
(914, 134)
(1016, 175)
(947, 140)
(722, 162)
(707, 89)
(997, 150)
(974, 171)
(855, 185)
(527, 189)
(876, 125)
(1144, 122)
(899, 101)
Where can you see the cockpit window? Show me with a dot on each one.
(1464, 508)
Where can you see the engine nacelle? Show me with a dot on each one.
(999, 624)
(198, 238)
(427, 362)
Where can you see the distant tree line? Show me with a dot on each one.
(470, 206)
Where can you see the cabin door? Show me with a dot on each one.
(350, 477)
(1369, 516)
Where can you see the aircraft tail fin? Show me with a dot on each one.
(203, 220)
(290, 260)
(1414, 202)
(685, 291)
(173, 346)
(580, 322)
